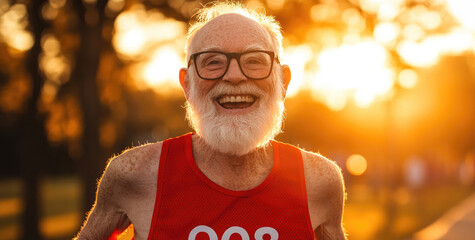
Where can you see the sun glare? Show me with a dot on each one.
(154, 43)
(463, 10)
(417, 54)
(297, 57)
(356, 71)
(139, 32)
(360, 71)
(131, 42)
(427, 52)
(163, 67)
(456, 41)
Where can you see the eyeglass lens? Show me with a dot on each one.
(214, 65)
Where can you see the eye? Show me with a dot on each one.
(214, 62)
(254, 61)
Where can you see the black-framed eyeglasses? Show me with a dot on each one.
(212, 65)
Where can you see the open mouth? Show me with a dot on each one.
(236, 101)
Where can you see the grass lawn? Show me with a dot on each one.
(60, 208)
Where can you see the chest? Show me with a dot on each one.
(197, 209)
(196, 206)
(237, 180)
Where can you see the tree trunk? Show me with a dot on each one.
(35, 141)
(87, 61)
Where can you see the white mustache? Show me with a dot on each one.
(222, 89)
(235, 134)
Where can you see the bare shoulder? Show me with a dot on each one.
(135, 162)
(125, 180)
(325, 193)
(321, 173)
(136, 159)
(131, 172)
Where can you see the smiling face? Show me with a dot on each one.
(231, 33)
(234, 114)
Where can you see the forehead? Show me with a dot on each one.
(231, 33)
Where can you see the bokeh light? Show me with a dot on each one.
(386, 32)
(55, 66)
(161, 70)
(154, 44)
(139, 30)
(13, 24)
(356, 164)
(369, 75)
(407, 78)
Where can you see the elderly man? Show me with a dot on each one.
(229, 180)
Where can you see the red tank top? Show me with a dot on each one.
(189, 206)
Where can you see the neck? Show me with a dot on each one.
(231, 171)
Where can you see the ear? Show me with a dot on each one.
(287, 75)
(184, 81)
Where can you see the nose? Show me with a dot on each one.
(234, 74)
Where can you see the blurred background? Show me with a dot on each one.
(385, 88)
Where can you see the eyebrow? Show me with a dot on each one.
(254, 47)
(247, 48)
(210, 48)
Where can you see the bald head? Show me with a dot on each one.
(225, 15)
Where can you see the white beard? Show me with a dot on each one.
(236, 134)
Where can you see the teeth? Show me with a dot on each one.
(233, 99)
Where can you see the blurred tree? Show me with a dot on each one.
(34, 148)
(90, 26)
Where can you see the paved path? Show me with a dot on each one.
(456, 224)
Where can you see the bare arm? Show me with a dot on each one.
(106, 214)
(332, 228)
(326, 196)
